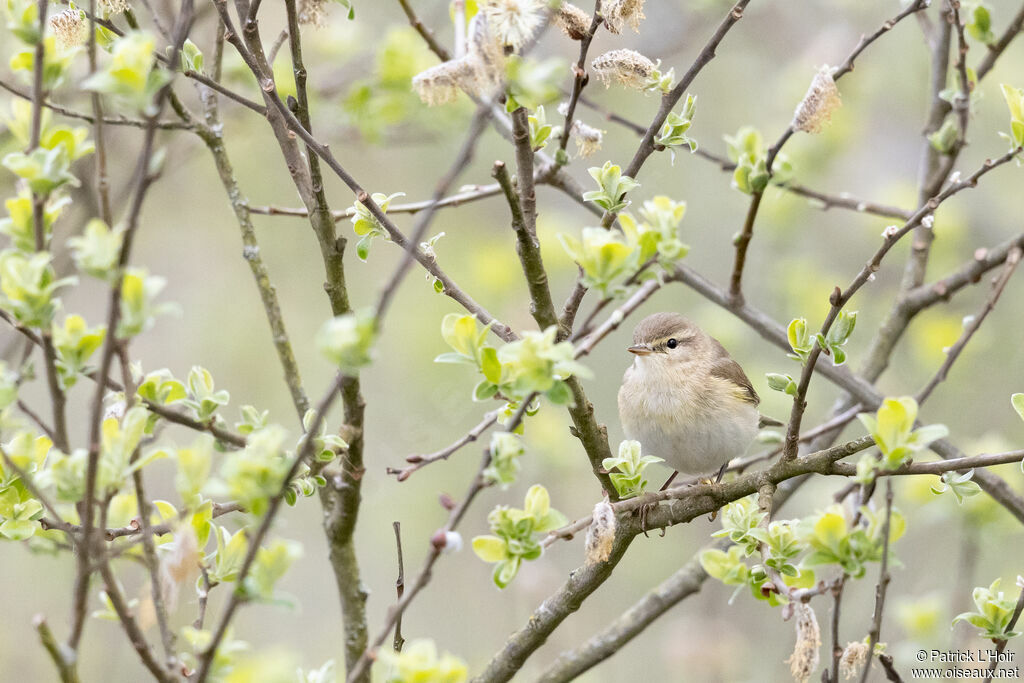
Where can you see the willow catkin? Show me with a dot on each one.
(805, 657)
(620, 12)
(573, 21)
(627, 67)
(815, 109)
(601, 533)
(587, 138)
(513, 22)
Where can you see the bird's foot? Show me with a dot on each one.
(711, 482)
(642, 513)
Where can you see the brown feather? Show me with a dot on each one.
(724, 367)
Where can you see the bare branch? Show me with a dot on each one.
(65, 662)
(580, 77)
(273, 505)
(417, 462)
(437, 546)
(883, 584)
(399, 585)
(457, 199)
(1012, 259)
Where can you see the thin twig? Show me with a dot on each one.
(840, 297)
(426, 33)
(65, 661)
(977, 319)
(746, 234)
(419, 230)
(273, 505)
(995, 50)
(423, 577)
(837, 603)
(457, 199)
(399, 585)
(527, 246)
(580, 77)
(883, 584)
(417, 462)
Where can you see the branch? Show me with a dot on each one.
(976, 320)
(417, 462)
(399, 585)
(555, 609)
(65, 662)
(984, 260)
(743, 241)
(840, 297)
(425, 32)
(837, 649)
(612, 638)
(437, 545)
(212, 135)
(419, 231)
(458, 199)
(131, 627)
(684, 505)
(997, 49)
(527, 246)
(580, 77)
(847, 66)
(206, 659)
(112, 120)
(883, 584)
(669, 100)
(939, 467)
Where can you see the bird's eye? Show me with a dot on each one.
(672, 343)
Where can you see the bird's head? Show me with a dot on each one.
(667, 338)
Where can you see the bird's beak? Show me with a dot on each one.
(640, 350)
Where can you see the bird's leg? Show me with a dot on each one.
(645, 508)
(718, 480)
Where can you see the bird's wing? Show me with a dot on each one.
(724, 367)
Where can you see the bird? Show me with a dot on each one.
(685, 399)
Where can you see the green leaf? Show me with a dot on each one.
(484, 390)
(1017, 401)
(490, 365)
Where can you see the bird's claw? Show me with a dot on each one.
(642, 512)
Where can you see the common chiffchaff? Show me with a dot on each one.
(684, 398)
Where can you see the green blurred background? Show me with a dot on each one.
(362, 106)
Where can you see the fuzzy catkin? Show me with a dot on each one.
(853, 658)
(440, 84)
(573, 21)
(513, 22)
(621, 12)
(69, 28)
(815, 109)
(628, 67)
(587, 138)
(601, 533)
(486, 56)
(805, 657)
